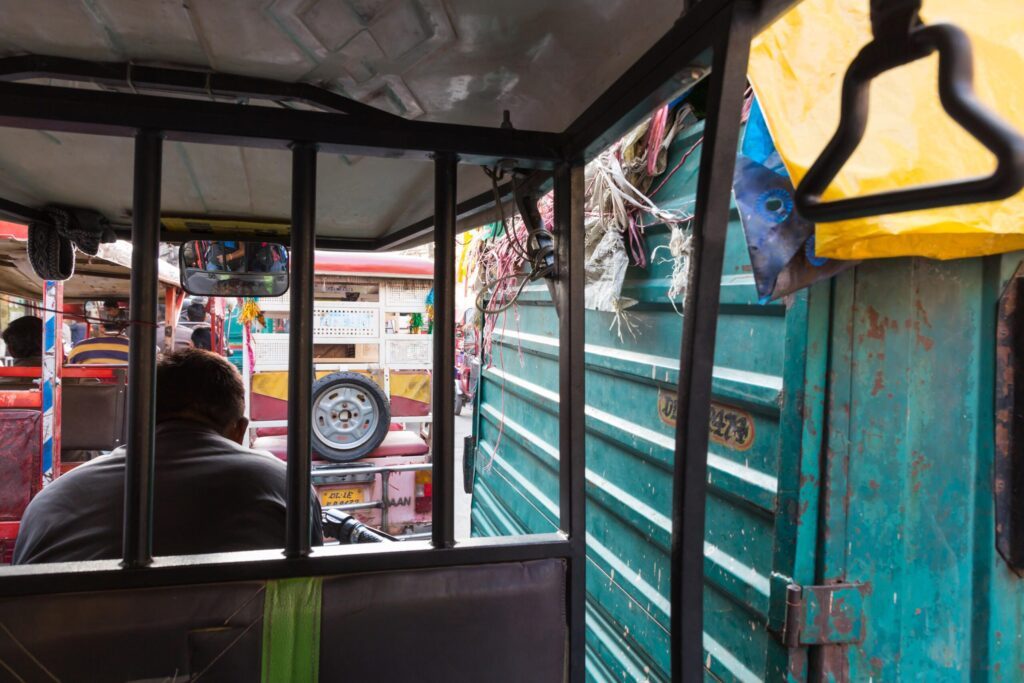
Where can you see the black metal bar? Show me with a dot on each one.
(44, 107)
(732, 32)
(139, 467)
(208, 83)
(569, 205)
(1008, 492)
(443, 425)
(14, 211)
(300, 349)
(72, 577)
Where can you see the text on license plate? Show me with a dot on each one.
(340, 496)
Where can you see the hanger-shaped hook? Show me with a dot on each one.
(901, 39)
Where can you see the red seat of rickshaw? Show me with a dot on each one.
(399, 442)
(20, 468)
(283, 431)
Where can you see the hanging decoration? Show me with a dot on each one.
(250, 312)
(430, 311)
(779, 240)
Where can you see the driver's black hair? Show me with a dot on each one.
(114, 327)
(197, 385)
(195, 312)
(202, 338)
(24, 337)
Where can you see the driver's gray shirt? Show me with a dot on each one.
(210, 495)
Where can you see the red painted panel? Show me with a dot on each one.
(13, 231)
(11, 371)
(29, 398)
(372, 263)
(283, 431)
(398, 443)
(406, 407)
(266, 408)
(92, 371)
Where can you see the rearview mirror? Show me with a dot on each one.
(231, 268)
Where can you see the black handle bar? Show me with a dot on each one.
(901, 39)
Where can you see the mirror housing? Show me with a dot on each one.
(233, 268)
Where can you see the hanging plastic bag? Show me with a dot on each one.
(780, 242)
(797, 67)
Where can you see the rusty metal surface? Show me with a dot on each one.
(1009, 427)
(824, 615)
(909, 472)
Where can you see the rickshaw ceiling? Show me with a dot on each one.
(398, 73)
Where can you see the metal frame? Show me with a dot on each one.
(139, 469)
(300, 349)
(700, 311)
(724, 25)
(569, 209)
(443, 386)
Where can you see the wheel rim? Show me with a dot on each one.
(345, 417)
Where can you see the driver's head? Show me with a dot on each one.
(24, 337)
(202, 387)
(114, 327)
(196, 312)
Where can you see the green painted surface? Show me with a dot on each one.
(872, 463)
(234, 337)
(630, 451)
(908, 488)
(291, 630)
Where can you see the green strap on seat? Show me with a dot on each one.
(291, 631)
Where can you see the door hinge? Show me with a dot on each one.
(824, 615)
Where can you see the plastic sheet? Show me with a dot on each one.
(797, 67)
(780, 242)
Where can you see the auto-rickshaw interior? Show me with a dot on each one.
(260, 139)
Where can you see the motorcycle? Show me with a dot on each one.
(467, 366)
(342, 526)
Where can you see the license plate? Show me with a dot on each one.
(341, 496)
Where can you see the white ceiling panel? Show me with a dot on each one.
(454, 61)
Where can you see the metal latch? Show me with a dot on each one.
(824, 615)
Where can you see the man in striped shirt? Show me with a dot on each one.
(111, 348)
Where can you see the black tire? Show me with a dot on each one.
(366, 392)
(460, 401)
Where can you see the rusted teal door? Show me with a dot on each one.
(908, 494)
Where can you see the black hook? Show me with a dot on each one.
(900, 38)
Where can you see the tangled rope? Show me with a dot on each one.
(619, 189)
(501, 261)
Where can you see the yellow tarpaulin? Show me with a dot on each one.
(797, 67)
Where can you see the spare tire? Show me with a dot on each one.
(351, 416)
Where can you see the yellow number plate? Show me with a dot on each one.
(340, 496)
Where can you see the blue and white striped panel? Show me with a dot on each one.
(50, 331)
